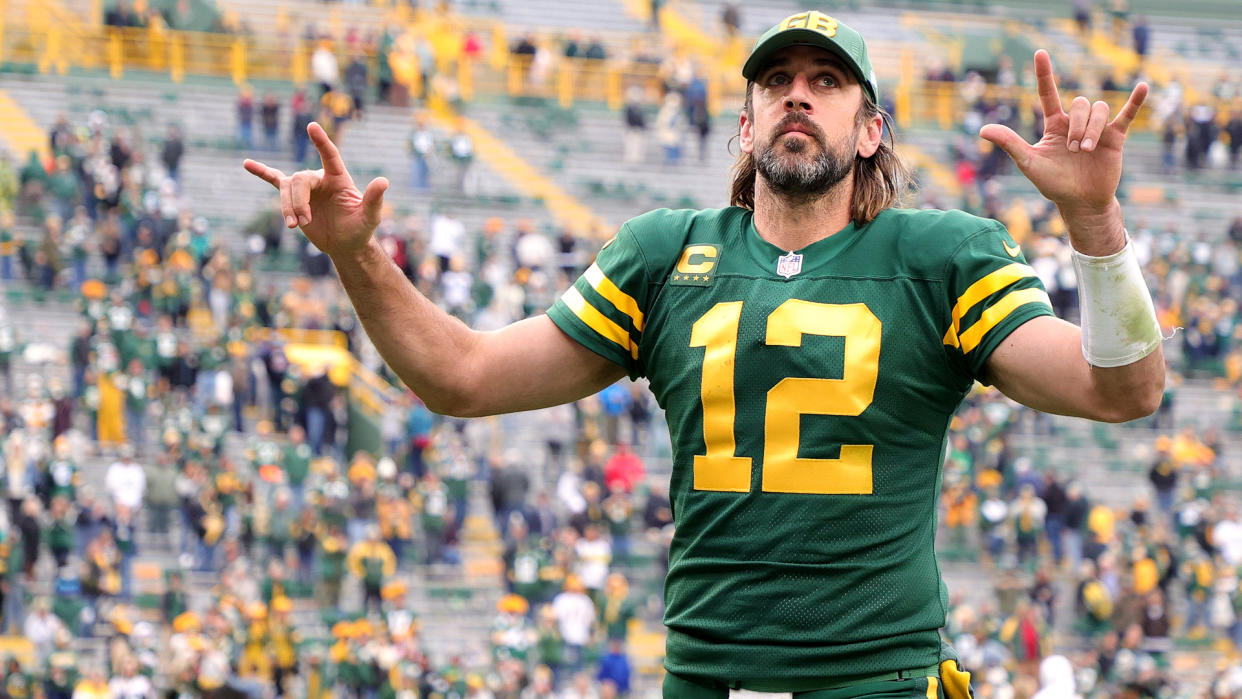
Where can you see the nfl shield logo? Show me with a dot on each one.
(788, 265)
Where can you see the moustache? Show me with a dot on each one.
(804, 123)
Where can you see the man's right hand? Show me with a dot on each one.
(326, 203)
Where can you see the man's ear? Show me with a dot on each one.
(871, 133)
(745, 133)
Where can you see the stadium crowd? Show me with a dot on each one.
(290, 559)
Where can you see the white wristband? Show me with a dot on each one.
(1119, 323)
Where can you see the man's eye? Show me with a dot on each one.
(778, 79)
(828, 81)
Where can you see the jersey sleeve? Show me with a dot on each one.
(992, 291)
(604, 308)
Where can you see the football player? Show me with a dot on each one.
(809, 344)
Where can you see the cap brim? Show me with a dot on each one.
(798, 37)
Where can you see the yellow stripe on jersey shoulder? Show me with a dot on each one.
(985, 287)
(598, 322)
(623, 301)
(932, 685)
(998, 312)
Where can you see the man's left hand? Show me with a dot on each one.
(1077, 163)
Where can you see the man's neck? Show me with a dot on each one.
(792, 224)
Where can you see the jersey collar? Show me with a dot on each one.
(814, 255)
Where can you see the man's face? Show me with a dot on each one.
(802, 129)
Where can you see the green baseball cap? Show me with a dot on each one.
(813, 28)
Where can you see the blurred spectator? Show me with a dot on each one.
(420, 143)
(172, 152)
(525, 46)
(1163, 477)
(1200, 134)
(121, 15)
(447, 238)
(635, 126)
(41, 628)
(317, 401)
(670, 127)
(1056, 679)
(697, 116)
(1141, 35)
(356, 83)
(461, 152)
(372, 562)
(269, 116)
(300, 107)
(1234, 128)
(614, 668)
(324, 67)
(731, 19)
(1082, 15)
(245, 117)
(509, 488)
(575, 616)
(125, 481)
(130, 684)
(595, 50)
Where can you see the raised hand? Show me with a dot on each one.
(325, 203)
(1077, 163)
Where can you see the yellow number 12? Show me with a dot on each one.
(791, 398)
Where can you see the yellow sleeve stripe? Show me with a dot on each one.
(985, 287)
(932, 687)
(998, 312)
(623, 301)
(600, 323)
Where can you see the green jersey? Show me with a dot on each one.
(808, 396)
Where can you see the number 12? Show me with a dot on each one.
(791, 398)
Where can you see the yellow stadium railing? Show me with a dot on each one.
(55, 41)
(327, 338)
(312, 349)
(942, 103)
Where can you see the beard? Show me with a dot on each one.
(797, 169)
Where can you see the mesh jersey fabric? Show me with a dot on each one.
(808, 412)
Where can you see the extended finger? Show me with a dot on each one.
(286, 203)
(1079, 112)
(1007, 140)
(1096, 121)
(1131, 108)
(373, 200)
(333, 164)
(1046, 84)
(299, 195)
(268, 174)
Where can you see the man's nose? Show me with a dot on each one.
(799, 95)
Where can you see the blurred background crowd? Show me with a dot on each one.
(214, 487)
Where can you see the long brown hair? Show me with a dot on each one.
(880, 182)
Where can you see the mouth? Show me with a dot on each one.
(797, 128)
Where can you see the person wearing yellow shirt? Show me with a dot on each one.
(93, 686)
(1146, 572)
(256, 660)
(1102, 527)
(372, 561)
(395, 515)
(362, 469)
(283, 638)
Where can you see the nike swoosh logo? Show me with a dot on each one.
(1013, 251)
